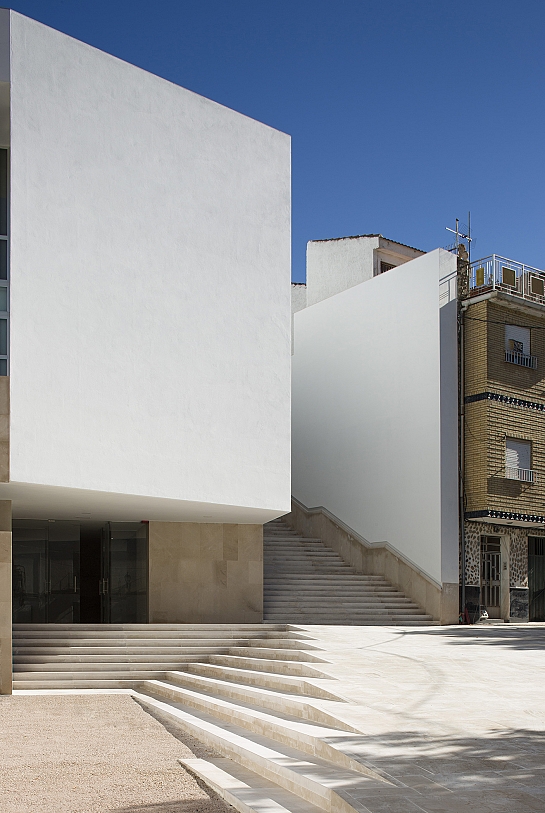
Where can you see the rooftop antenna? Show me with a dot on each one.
(461, 236)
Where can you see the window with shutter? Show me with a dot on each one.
(517, 339)
(518, 460)
(517, 346)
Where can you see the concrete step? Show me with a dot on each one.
(94, 668)
(344, 606)
(385, 621)
(275, 654)
(265, 680)
(341, 748)
(310, 778)
(49, 644)
(244, 790)
(112, 652)
(350, 577)
(199, 629)
(180, 683)
(300, 644)
(119, 657)
(262, 664)
(165, 638)
(353, 588)
(84, 680)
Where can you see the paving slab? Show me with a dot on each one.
(456, 715)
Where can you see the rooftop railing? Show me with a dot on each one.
(500, 274)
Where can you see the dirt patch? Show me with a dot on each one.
(95, 753)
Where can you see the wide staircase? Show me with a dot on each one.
(117, 656)
(282, 739)
(259, 697)
(305, 582)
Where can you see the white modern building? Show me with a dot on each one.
(144, 324)
(375, 412)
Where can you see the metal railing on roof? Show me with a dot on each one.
(500, 274)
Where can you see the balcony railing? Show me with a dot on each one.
(522, 359)
(523, 475)
(500, 274)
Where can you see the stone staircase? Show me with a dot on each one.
(115, 656)
(305, 582)
(282, 738)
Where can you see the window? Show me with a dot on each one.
(517, 346)
(518, 460)
(517, 339)
(385, 267)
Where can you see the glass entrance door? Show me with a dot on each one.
(45, 572)
(124, 582)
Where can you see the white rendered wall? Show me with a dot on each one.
(371, 442)
(150, 286)
(335, 265)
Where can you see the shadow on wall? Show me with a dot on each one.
(531, 637)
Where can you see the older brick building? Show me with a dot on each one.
(503, 449)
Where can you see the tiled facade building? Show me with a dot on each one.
(502, 562)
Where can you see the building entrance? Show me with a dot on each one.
(491, 575)
(46, 587)
(536, 578)
(69, 573)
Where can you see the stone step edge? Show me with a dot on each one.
(302, 686)
(238, 794)
(319, 743)
(254, 757)
(302, 707)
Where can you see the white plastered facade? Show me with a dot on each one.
(150, 293)
(375, 435)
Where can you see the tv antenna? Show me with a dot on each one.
(463, 237)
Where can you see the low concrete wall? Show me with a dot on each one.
(6, 677)
(204, 573)
(439, 601)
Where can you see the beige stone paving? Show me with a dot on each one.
(456, 714)
(91, 754)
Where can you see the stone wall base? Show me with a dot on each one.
(205, 573)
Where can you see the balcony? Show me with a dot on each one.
(497, 273)
(521, 359)
(522, 475)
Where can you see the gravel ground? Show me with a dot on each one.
(95, 753)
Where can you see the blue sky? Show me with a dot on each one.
(403, 115)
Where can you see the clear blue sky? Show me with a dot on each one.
(403, 115)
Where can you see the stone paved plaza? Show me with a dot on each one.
(455, 713)
(453, 719)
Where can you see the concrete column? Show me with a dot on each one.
(205, 573)
(6, 669)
